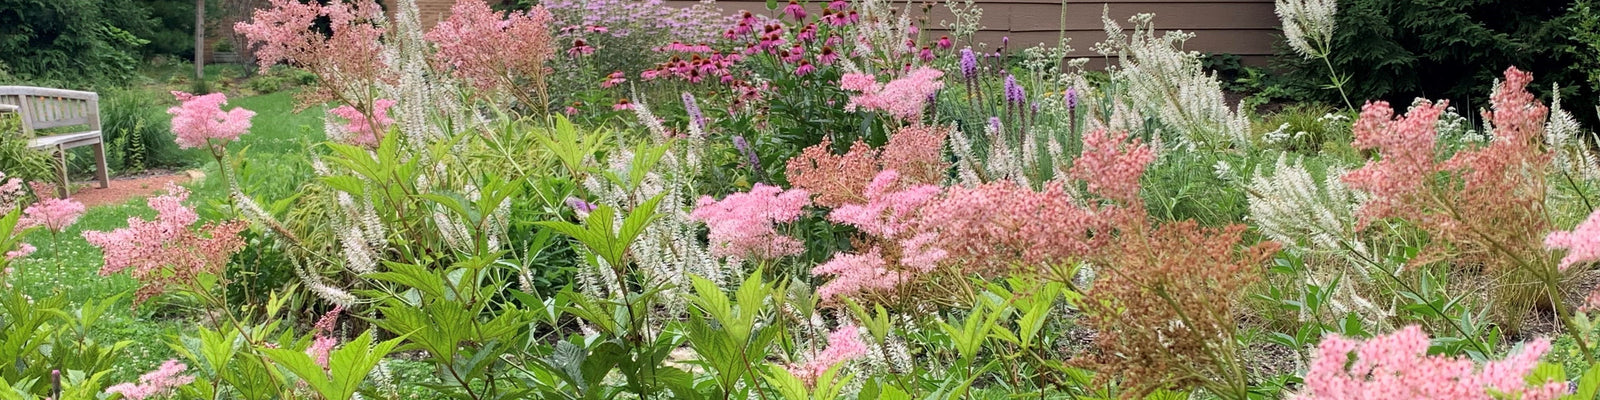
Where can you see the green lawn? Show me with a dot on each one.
(66, 264)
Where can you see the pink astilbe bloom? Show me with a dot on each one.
(200, 119)
(163, 381)
(1396, 366)
(888, 217)
(1406, 147)
(23, 250)
(323, 340)
(358, 129)
(742, 224)
(844, 344)
(1582, 243)
(1111, 164)
(492, 53)
(53, 214)
(349, 63)
(993, 227)
(167, 250)
(903, 98)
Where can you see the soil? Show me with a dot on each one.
(124, 188)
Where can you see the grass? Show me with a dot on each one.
(66, 264)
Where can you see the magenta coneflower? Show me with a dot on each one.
(804, 68)
(794, 10)
(622, 104)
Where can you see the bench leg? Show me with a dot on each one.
(101, 172)
(61, 172)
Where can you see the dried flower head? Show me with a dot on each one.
(1162, 305)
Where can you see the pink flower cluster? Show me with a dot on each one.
(699, 67)
(1582, 243)
(492, 53)
(844, 344)
(323, 341)
(199, 119)
(742, 224)
(360, 130)
(904, 98)
(167, 250)
(53, 214)
(1111, 165)
(11, 193)
(1407, 154)
(993, 227)
(23, 250)
(1396, 366)
(888, 216)
(349, 58)
(163, 381)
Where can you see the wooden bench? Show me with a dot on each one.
(44, 108)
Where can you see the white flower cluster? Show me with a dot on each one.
(1168, 86)
(1569, 153)
(1295, 209)
(1308, 25)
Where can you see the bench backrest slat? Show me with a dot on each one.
(42, 108)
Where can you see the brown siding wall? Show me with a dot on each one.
(1242, 27)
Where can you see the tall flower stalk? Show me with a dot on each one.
(1308, 27)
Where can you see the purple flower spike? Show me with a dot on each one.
(969, 64)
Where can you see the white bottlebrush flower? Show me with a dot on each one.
(1170, 87)
(1308, 25)
(1295, 209)
(1562, 133)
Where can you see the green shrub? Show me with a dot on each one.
(82, 42)
(1397, 50)
(137, 132)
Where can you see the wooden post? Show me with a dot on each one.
(200, 43)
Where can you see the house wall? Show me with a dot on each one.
(1243, 27)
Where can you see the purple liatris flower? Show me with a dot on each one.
(1014, 92)
(969, 64)
(1072, 98)
(994, 124)
(692, 107)
(744, 149)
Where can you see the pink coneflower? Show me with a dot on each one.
(838, 4)
(796, 54)
(927, 54)
(808, 34)
(804, 68)
(580, 48)
(572, 109)
(599, 29)
(794, 10)
(827, 56)
(616, 78)
(622, 104)
(944, 43)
